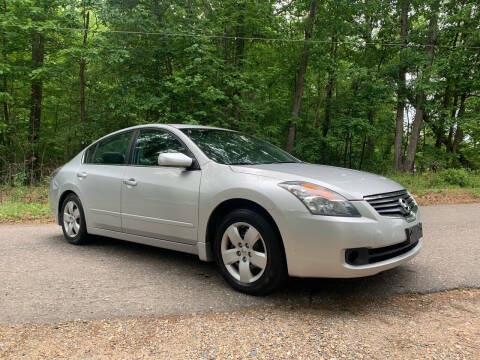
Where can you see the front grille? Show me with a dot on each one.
(390, 204)
(364, 256)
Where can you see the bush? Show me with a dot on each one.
(450, 178)
(460, 177)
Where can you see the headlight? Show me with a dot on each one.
(319, 200)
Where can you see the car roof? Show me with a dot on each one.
(188, 126)
(176, 126)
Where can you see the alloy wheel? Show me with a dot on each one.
(71, 219)
(244, 253)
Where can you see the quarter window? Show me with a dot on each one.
(113, 150)
(88, 159)
(152, 142)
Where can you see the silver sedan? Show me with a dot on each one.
(256, 210)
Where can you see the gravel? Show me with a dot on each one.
(434, 326)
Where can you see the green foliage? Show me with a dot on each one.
(33, 194)
(21, 210)
(446, 179)
(459, 177)
(23, 202)
(199, 64)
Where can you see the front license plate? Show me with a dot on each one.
(414, 233)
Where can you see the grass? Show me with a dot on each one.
(24, 204)
(20, 210)
(443, 180)
(444, 187)
(30, 204)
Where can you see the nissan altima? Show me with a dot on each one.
(254, 209)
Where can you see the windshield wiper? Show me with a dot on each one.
(281, 162)
(243, 163)
(262, 163)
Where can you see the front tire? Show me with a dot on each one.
(249, 252)
(72, 219)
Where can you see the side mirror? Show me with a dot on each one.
(174, 160)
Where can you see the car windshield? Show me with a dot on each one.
(233, 148)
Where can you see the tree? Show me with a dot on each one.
(421, 96)
(334, 81)
(401, 87)
(300, 75)
(83, 64)
(38, 49)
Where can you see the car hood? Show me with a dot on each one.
(352, 184)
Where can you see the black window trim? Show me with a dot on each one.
(129, 157)
(131, 145)
(133, 131)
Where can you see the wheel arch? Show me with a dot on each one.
(61, 199)
(226, 207)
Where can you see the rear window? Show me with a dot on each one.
(112, 150)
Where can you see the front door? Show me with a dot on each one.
(100, 178)
(159, 201)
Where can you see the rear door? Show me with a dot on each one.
(159, 201)
(100, 178)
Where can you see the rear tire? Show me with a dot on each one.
(249, 252)
(72, 219)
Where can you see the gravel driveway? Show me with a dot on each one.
(434, 326)
(44, 279)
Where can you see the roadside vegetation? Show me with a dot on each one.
(24, 204)
(453, 186)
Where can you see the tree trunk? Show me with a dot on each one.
(449, 141)
(420, 98)
(370, 151)
(350, 152)
(328, 104)
(6, 113)
(321, 95)
(438, 127)
(36, 98)
(439, 137)
(401, 92)
(363, 152)
(238, 60)
(458, 138)
(83, 64)
(329, 87)
(300, 76)
(345, 150)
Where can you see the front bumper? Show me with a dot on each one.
(315, 245)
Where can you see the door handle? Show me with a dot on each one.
(130, 182)
(82, 174)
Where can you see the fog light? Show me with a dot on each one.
(351, 256)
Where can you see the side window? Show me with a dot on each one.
(151, 142)
(113, 150)
(88, 158)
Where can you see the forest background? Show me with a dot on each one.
(390, 87)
